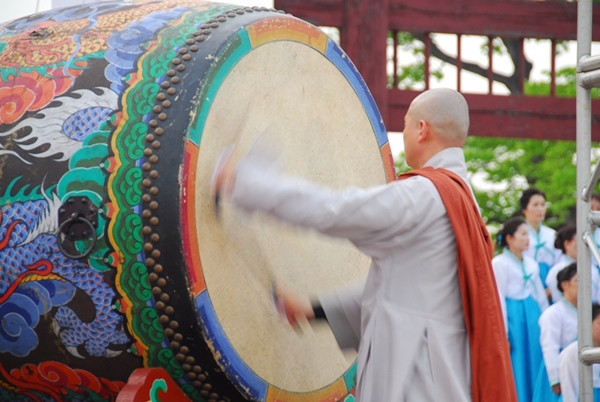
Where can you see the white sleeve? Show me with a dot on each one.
(597, 241)
(500, 274)
(569, 376)
(367, 217)
(550, 341)
(343, 312)
(595, 285)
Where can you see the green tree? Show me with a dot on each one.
(502, 168)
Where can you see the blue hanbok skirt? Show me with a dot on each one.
(544, 269)
(543, 391)
(525, 349)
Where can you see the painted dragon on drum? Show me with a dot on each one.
(37, 277)
(51, 123)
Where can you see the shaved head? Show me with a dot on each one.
(446, 111)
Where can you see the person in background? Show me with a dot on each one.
(558, 329)
(569, 362)
(541, 245)
(566, 241)
(523, 300)
(595, 206)
(595, 202)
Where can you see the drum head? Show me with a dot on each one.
(305, 103)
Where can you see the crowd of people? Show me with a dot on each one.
(536, 275)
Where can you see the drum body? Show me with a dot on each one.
(112, 257)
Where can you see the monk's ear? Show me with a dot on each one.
(424, 131)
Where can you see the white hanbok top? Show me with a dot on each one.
(552, 282)
(558, 329)
(518, 280)
(597, 241)
(569, 373)
(407, 317)
(541, 245)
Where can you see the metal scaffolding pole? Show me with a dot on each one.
(584, 190)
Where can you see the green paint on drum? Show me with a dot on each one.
(128, 144)
(237, 47)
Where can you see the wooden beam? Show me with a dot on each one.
(364, 39)
(327, 13)
(507, 18)
(507, 116)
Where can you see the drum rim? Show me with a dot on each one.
(252, 385)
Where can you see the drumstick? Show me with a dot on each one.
(278, 304)
(226, 154)
(215, 184)
(276, 301)
(237, 127)
(257, 261)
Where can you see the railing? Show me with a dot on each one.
(432, 51)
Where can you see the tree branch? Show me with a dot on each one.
(511, 81)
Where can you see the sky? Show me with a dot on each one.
(11, 9)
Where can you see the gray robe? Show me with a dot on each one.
(407, 318)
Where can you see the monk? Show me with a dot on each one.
(427, 321)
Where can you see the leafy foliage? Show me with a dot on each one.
(502, 168)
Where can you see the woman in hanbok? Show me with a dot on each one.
(566, 241)
(558, 328)
(569, 362)
(523, 299)
(541, 244)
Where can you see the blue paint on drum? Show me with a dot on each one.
(345, 65)
(246, 380)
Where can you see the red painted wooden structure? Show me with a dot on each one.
(151, 385)
(364, 26)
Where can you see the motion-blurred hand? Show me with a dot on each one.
(293, 307)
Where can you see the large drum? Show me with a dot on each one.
(112, 117)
